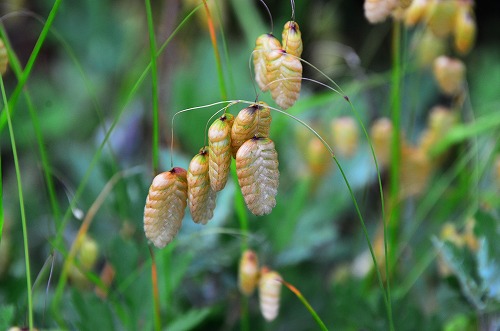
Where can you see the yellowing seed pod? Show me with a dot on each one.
(258, 174)
(251, 121)
(201, 196)
(416, 12)
(449, 74)
(428, 48)
(377, 11)
(284, 74)
(317, 157)
(165, 206)
(219, 142)
(416, 169)
(381, 136)
(248, 274)
(4, 59)
(88, 253)
(292, 38)
(269, 293)
(345, 136)
(440, 16)
(263, 45)
(465, 29)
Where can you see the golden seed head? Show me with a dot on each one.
(201, 197)
(291, 38)
(317, 157)
(269, 293)
(416, 12)
(258, 174)
(88, 253)
(219, 142)
(440, 16)
(251, 121)
(165, 206)
(345, 136)
(248, 275)
(263, 45)
(4, 59)
(450, 74)
(465, 29)
(381, 134)
(284, 74)
(428, 48)
(416, 169)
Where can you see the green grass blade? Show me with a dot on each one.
(154, 86)
(29, 65)
(21, 206)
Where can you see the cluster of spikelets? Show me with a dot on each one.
(250, 276)
(244, 138)
(277, 65)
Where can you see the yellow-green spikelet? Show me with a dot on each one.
(263, 45)
(219, 146)
(4, 59)
(291, 38)
(201, 197)
(165, 206)
(251, 121)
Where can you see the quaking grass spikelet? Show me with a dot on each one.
(165, 206)
(248, 274)
(201, 197)
(258, 174)
(263, 45)
(4, 59)
(251, 121)
(219, 145)
(284, 73)
(291, 38)
(269, 293)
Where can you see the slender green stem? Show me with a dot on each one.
(395, 168)
(31, 61)
(306, 303)
(21, 206)
(156, 292)
(154, 83)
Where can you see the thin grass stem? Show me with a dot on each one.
(29, 64)
(154, 87)
(21, 206)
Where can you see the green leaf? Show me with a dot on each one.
(6, 317)
(190, 320)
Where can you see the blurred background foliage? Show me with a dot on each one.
(83, 81)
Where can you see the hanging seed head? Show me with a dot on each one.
(88, 253)
(269, 293)
(465, 28)
(258, 174)
(317, 157)
(345, 136)
(449, 74)
(251, 121)
(428, 48)
(441, 120)
(440, 16)
(292, 38)
(4, 59)
(416, 12)
(381, 136)
(415, 171)
(263, 45)
(248, 275)
(284, 74)
(377, 11)
(201, 197)
(219, 142)
(165, 206)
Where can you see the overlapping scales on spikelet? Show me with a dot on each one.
(251, 121)
(284, 73)
(263, 45)
(258, 174)
(292, 38)
(201, 197)
(219, 140)
(165, 206)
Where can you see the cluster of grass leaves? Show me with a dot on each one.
(90, 112)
